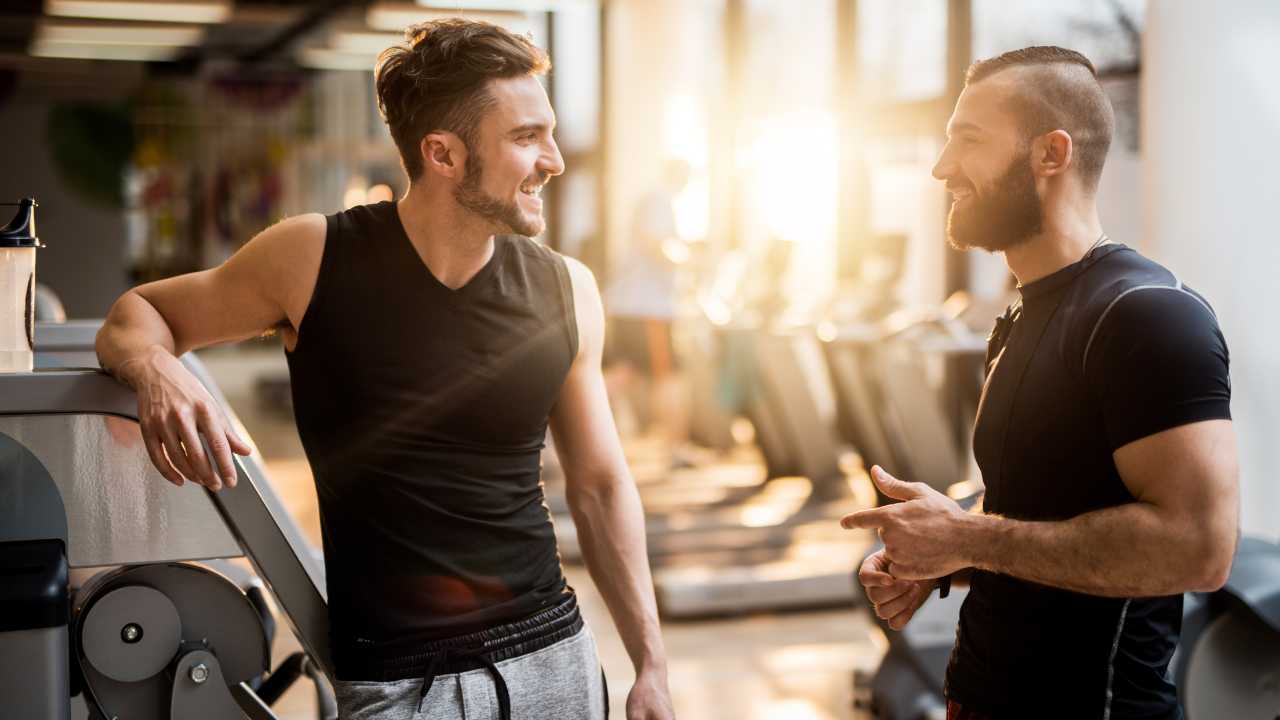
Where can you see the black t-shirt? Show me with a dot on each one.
(423, 412)
(1101, 353)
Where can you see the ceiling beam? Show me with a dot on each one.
(283, 40)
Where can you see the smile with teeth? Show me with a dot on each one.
(531, 190)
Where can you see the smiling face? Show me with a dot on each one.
(986, 165)
(513, 156)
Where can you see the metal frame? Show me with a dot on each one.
(251, 510)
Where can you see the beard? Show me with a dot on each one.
(506, 214)
(1006, 215)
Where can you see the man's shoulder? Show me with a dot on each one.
(363, 221)
(1117, 290)
(307, 226)
(1119, 271)
(1126, 292)
(290, 240)
(1129, 272)
(1121, 275)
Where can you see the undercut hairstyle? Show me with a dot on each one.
(438, 80)
(1060, 91)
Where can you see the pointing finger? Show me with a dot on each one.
(873, 518)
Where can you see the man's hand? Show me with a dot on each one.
(922, 535)
(176, 412)
(649, 698)
(894, 601)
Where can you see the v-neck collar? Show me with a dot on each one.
(477, 280)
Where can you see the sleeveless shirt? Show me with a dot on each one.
(423, 412)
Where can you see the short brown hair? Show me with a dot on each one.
(1060, 96)
(438, 80)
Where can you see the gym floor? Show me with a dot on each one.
(792, 666)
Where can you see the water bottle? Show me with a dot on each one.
(18, 245)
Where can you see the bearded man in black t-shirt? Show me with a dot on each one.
(1104, 431)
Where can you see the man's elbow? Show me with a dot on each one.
(122, 311)
(102, 340)
(1213, 564)
(99, 340)
(592, 490)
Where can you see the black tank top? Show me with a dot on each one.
(423, 411)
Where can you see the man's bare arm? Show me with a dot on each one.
(606, 506)
(1178, 535)
(266, 284)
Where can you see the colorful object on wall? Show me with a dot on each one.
(91, 144)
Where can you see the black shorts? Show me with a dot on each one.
(643, 343)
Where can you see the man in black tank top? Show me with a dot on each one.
(1103, 433)
(431, 344)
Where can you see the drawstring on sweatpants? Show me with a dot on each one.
(438, 661)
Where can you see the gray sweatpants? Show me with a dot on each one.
(558, 682)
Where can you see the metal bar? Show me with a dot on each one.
(959, 55)
(601, 154)
(736, 48)
(852, 211)
(250, 704)
(555, 208)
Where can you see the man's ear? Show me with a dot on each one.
(1052, 153)
(443, 154)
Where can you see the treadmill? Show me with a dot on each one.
(734, 506)
(807, 560)
(121, 594)
(893, 406)
(781, 547)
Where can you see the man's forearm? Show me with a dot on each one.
(132, 328)
(610, 524)
(1130, 550)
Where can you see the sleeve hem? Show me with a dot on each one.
(1184, 414)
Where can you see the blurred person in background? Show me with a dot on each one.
(642, 302)
(1104, 432)
(430, 344)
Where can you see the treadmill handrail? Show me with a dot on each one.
(274, 548)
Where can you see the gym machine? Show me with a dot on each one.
(122, 596)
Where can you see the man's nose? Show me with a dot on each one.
(944, 167)
(552, 162)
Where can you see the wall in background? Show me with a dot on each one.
(1210, 126)
(84, 261)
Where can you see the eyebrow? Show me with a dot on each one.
(531, 126)
(962, 127)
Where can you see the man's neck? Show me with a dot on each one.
(451, 241)
(1066, 238)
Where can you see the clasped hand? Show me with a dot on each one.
(922, 542)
